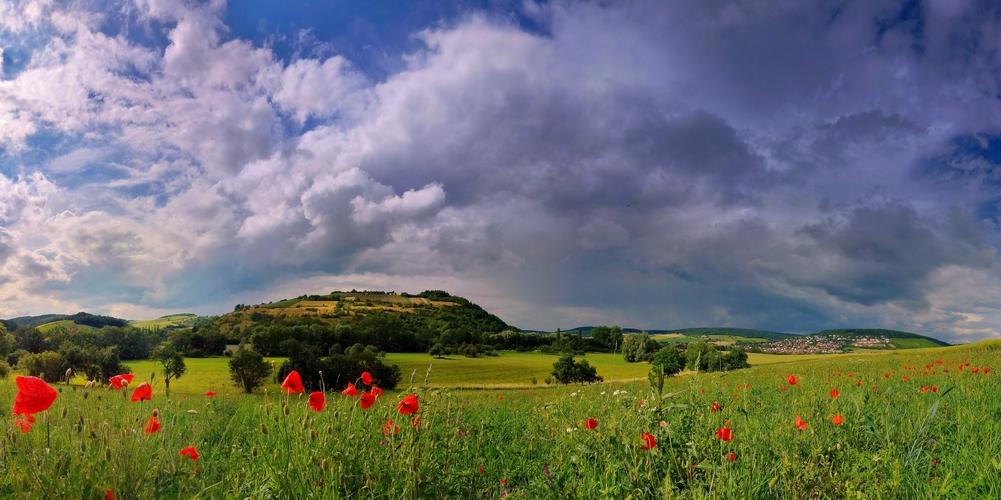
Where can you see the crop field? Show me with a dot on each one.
(163, 322)
(921, 424)
(66, 323)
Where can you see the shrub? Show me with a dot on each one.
(248, 369)
(4, 369)
(566, 370)
(48, 365)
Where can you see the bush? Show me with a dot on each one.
(639, 347)
(566, 370)
(337, 370)
(248, 369)
(4, 369)
(670, 360)
(48, 365)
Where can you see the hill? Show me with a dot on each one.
(49, 321)
(390, 321)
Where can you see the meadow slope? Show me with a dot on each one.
(920, 424)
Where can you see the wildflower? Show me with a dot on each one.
(663, 423)
(23, 424)
(924, 388)
(886, 375)
(791, 379)
(142, 393)
(934, 389)
(366, 401)
(975, 369)
(590, 424)
(152, 425)
(639, 404)
(986, 370)
(904, 378)
(366, 378)
(834, 393)
(482, 470)
(800, 423)
(837, 419)
(210, 394)
(782, 387)
(192, 412)
(350, 391)
(416, 421)
(874, 388)
(33, 396)
(732, 457)
(650, 441)
(714, 408)
(317, 401)
(292, 383)
(545, 468)
(110, 496)
(377, 392)
(725, 433)
(120, 381)
(190, 452)
(408, 405)
(390, 427)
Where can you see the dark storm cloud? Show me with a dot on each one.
(784, 165)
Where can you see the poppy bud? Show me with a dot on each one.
(285, 410)
(107, 454)
(69, 371)
(156, 413)
(192, 412)
(330, 430)
(323, 465)
(264, 428)
(312, 435)
(85, 395)
(253, 452)
(65, 411)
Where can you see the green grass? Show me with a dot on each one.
(896, 441)
(912, 343)
(165, 321)
(280, 304)
(203, 374)
(66, 323)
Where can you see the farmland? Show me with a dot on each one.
(915, 424)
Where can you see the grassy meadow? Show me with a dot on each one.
(917, 424)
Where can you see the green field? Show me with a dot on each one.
(898, 437)
(509, 370)
(911, 343)
(66, 323)
(163, 322)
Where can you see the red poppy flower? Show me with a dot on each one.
(377, 392)
(858, 383)
(904, 378)
(650, 441)
(292, 383)
(791, 379)
(142, 393)
(351, 390)
(482, 470)
(726, 434)
(408, 405)
(110, 496)
(210, 394)
(590, 424)
(120, 381)
(837, 420)
(986, 370)
(714, 408)
(367, 400)
(732, 457)
(924, 388)
(390, 427)
(975, 369)
(782, 387)
(934, 389)
(834, 393)
(190, 452)
(874, 388)
(317, 401)
(33, 396)
(504, 482)
(639, 404)
(886, 375)
(366, 378)
(23, 424)
(152, 425)
(800, 423)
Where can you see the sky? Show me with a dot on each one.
(785, 165)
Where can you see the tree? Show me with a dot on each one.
(566, 370)
(438, 351)
(172, 362)
(249, 369)
(671, 360)
(639, 347)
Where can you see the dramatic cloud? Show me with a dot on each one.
(781, 165)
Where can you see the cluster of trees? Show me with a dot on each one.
(639, 347)
(333, 371)
(566, 370)
(706, 357)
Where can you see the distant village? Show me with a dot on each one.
(828, 344)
